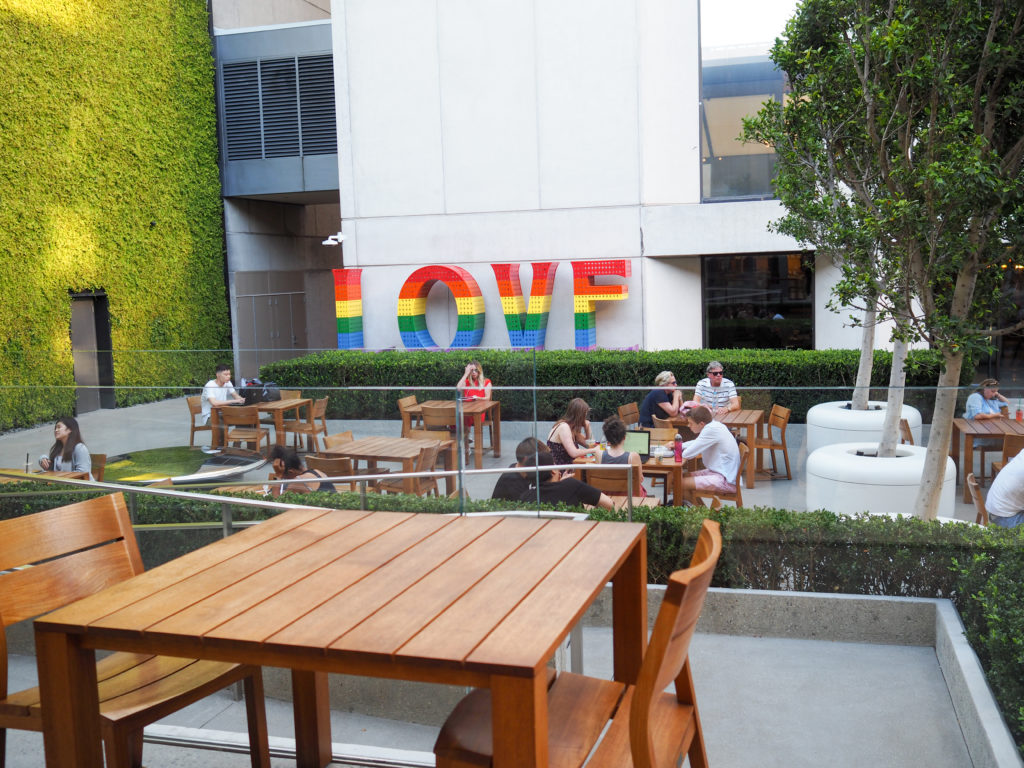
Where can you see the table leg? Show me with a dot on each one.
(71, 707)
(312, 711)
(279, 425)
(629, 613)
(751, 461)
(519, 721)
(216, 434)
(968, 465)
(496, 421)
(478, 436)
(409, 483)
(451, 462)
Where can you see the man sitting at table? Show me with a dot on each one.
(218, 392)
(554, 488)
(717, 392)
(511, 485)
(1005, 501)
(717, 448)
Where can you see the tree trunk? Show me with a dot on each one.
(894, 403)
(861, 390)
(927, 504)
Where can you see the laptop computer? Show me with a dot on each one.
(638, 441)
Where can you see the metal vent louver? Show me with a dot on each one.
(316, 99)
(244, 137)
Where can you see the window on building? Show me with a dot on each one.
(758, 301)
(731, 89)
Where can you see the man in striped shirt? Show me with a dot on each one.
(717, 392)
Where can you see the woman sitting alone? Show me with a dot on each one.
(571, 438)
(473, 385)
(288, 466)
(615, 433)
(68, 453)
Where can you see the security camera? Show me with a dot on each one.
(333, 239)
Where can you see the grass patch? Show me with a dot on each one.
(155, 464)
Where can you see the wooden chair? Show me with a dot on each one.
(649, 727)
(195, 408)
(660, 423)
(52, 558)
(629, 413)
(337, 440)
(662, 435)
(1012, 445)
(736, 498)
(777, 419)
(242, 423)
(99, 464)
(424, 485)
(979, 503)
(333, 466)
(906, 434)
(313, 425)
(426, 434)
(407, 418)
(614, 482)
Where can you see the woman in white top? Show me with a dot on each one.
(69, 453)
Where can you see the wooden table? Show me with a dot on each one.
(469, 601)
(398, 449)
(275, 407)
(477, 410)
(751, 421)
(975, 429)
(35, 473)
(667, 469)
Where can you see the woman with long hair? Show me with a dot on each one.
(474, 385)
(571, 437)
(615, 434)
(69, 453)
(289, 466)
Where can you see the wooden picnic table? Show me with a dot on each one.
(402, 450)
(469, 601)
(277, 408)
(978, 429)
(751, 421)
(478, 410)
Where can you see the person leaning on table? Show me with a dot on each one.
(664, 402)
(554, 488)
(1005, 500)
(512, 485)
(716, 392)
(987, 403)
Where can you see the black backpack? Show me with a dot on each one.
(270, 392)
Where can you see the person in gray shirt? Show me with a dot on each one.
(69, 453)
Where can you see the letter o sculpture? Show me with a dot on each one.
(412, 307)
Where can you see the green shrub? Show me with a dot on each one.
(366, 385)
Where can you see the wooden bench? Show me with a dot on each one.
(52, 558)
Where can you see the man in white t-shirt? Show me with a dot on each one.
(717, 449)
(217, 393)
(1005, 501)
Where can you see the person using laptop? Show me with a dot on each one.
(615, 433)
(219, 392)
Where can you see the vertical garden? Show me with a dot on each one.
(108, 182)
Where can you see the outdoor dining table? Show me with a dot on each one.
(277, 408)
(666, 468)
(478, 410)
(469, 601)
(397, 449)
(67, 475)
(978, 429)
(750, 421)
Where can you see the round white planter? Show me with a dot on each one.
(829, 423)
(841, 481)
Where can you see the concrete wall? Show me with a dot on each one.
(236, 14)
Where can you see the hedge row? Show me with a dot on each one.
(796, 379)
(981, 570)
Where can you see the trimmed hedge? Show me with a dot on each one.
(796, 379)
(110, 182)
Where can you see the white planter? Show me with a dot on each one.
(829, 423)
(841, 481)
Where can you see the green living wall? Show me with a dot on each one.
(108, 181)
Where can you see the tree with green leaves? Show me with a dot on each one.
(900, 149)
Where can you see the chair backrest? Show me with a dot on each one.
(1012, 445)
(744, 454)
(660, 423)
(779, 417)
(662, 434)
(906, 435)
(70, 553)
(240, 416)
(99, 464)
(629, 413)
(332, 466)
(425, 461)
(613, 481)
(319, 409)
(338, 440)
(290, 394)
(981, 518)
(668, 651)
(195, 405)
(438, 416)
(406, 402)
(426, 434)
